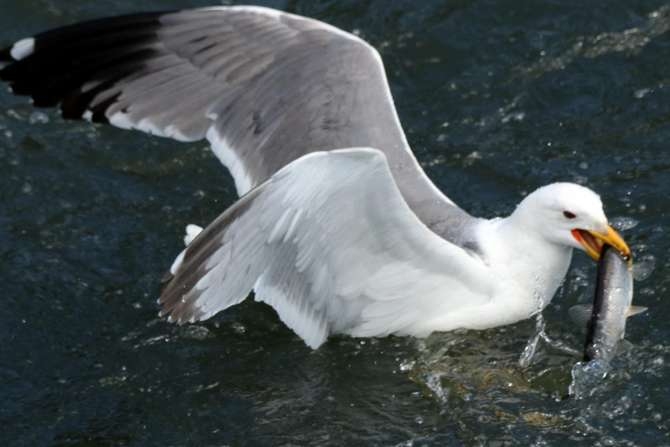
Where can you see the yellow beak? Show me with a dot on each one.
(593, 242)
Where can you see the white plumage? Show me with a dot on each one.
(338, 227)
(330, 243)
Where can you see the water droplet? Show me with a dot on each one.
(195, 332)
(239, 328)
(607, 441)
(514, 116)
(407, 365)
(641, 93)
(643, 268)
(624, 223)
(38, 117)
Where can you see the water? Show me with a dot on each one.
(497, 98)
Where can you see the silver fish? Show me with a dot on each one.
(611, 306)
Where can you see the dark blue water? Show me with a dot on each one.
(497, 97)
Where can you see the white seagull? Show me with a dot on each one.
(338, 228)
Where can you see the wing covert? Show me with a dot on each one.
(263, 86)
(329, 242)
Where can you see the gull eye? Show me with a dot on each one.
(569, 215)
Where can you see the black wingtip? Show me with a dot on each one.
(63, 60)
(6, 54)
(6, 60)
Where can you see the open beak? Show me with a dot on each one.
(593, 242)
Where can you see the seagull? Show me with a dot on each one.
(337, 226)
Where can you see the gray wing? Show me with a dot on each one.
(330, 244)
(263, 86)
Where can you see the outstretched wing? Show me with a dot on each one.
(263, 86)
(329, 242)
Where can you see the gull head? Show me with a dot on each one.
(571, 215)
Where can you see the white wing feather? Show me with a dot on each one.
(332, 246)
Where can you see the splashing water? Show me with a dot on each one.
(644, 267)
(106, 211)
(624, 223)
(530, 349)
(586, 376)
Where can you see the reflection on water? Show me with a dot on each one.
(631, 40)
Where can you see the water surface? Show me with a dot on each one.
(497, 98)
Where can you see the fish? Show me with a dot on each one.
(612, 305)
